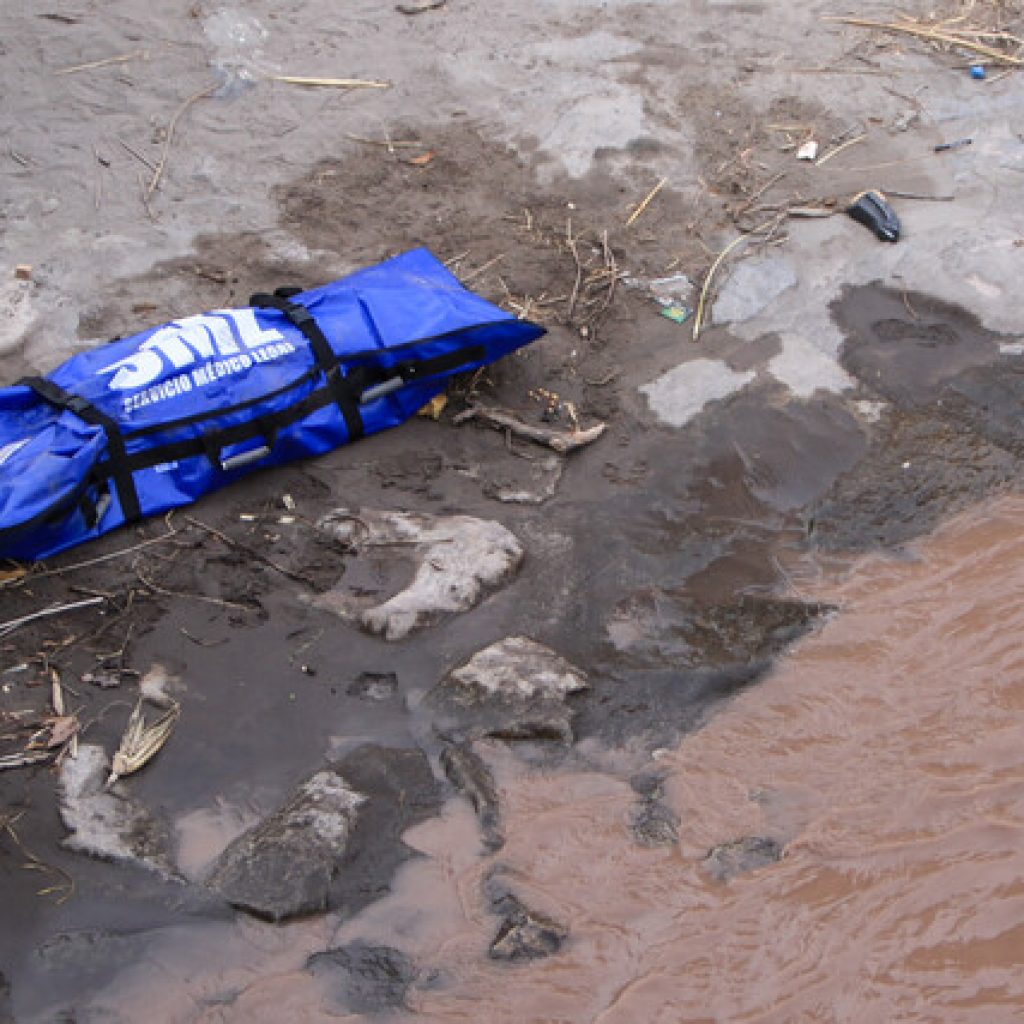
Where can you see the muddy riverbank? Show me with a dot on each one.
(726, 678)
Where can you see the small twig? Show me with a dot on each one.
(146, 204)
(219, 602)
(838, 149)
(239, 546)
(910, 308)
(389, 144)
(482, 269)
(201, 643)
(122, 59)
(171, 532)
(918, 195)
(9, 627)
(138, 156)
(337, 83)
(999, 77)
(162, 162)
(646, 201)
(25, 760)
(35, 864)
(561, 441)
(571, 242)
(612, 269)
(923, 32)
(428, 5)
(600, 382)
(761, 191)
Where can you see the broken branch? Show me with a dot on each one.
(561, 441)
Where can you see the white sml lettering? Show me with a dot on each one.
(10, 450)
(184, 343)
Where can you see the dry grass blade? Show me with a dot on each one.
(13, 624)
(162, 162)
(106, 62)
(335, 83)
(963, 38)
(22, 760)
(698, 318)
(839, 149)
(646, 201)
(141, 742)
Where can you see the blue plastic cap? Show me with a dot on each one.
(978, 71)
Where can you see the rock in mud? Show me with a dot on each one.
(459, 560)
(401, 791)
(378, 686)
(516, 689)
(104, 823)
(753, 286)
(730, 860)
(365, 978)
(524, 481)
(284, 866)
(526, 934)
(652, 822)
(473, 779)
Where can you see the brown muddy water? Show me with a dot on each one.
(883, 753)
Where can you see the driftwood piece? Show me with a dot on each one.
(562, 441)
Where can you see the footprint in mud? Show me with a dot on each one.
(950, 432)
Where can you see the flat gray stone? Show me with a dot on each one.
(524, 481)
(679, 395)
(459, 560)
(284, 866)
(516, 689)
(753, 285)
(105, 823)
(516, 668)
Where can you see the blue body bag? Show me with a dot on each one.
(154, 421)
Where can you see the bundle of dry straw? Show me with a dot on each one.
(986, 29)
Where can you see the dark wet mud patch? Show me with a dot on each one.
(671, 661)
(656, 627)
(920, 469)
(908, 347)
(364, 978)
(949, 432)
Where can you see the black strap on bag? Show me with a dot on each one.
(359, 385)
(85, 410)
(416, 369)
(341, 387)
